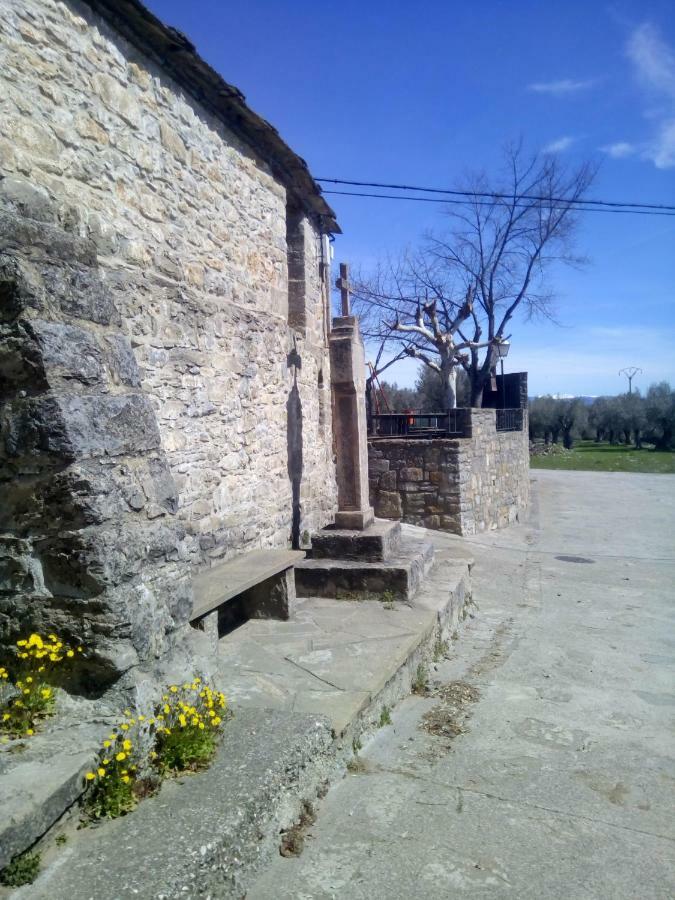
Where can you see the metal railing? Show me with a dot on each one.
(509, 419)
(419, 425)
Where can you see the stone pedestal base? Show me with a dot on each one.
(356, 519)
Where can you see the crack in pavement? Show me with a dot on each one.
(376, 769)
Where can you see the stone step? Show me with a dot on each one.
(209, 833)
(397, 578)
(379, 542)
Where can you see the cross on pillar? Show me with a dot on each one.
(344, 286)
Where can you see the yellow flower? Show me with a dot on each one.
(127, 712)
(173, 689)
(201, 725)
(124, 726)
(90, 776)
(127, 745)
(217, 720)
(182, 720)
(52, 637)
(105, 762)
(46, 693)
(35, 640)
(141, 718)
(28, 680)
(70, 653)
(101, 772)
(121, 756)
(106, 743)
(167, 708)
(126, 779)
(80, 650)
(30, 731)
(5, 717)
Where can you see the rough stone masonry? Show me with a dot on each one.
(462, 485)
(164, 317)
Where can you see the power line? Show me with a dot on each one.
(633, 212)
(495, 195)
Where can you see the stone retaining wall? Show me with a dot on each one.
(464, 485)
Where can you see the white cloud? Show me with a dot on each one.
(653, 59)
(654, 65)
(620, 150)
(559, 145)
(562, 87)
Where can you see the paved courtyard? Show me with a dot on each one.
(541, 765)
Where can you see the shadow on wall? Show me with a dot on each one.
(294, 445)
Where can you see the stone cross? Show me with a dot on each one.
(344, 286)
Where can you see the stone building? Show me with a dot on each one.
(164, 319)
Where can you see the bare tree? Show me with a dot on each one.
(450, 302)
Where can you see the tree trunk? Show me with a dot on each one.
(555, 435)
(449, 378)
(568, 441)
(598, 435)
(547, 438)
(626, 436)
(638, 439)
(666, 439)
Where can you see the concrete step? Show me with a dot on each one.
(377, 543)
(397, 578)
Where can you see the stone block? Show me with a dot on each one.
(387, 481)
(388, 505)
(411, 473)
(71, 426)
(273, 598)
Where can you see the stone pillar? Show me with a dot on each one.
(348, 379)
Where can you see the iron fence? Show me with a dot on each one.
(419, 425)
(509, 419)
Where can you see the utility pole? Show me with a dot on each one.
(630, 372)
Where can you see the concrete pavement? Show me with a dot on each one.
(549, 770)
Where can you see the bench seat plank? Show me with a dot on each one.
(225, 580)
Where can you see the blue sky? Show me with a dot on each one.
(423, 93)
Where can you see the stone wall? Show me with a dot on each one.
(464, 485)
(152, 370)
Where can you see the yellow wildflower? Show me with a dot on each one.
(101, 772)
(127, 745)
(121, 756)
(90, 776)
(126, 779)
(30, 731)
(173, 689)
(106, 743)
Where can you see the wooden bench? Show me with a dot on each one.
(262, 581)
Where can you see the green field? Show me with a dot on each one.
(592, 457)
